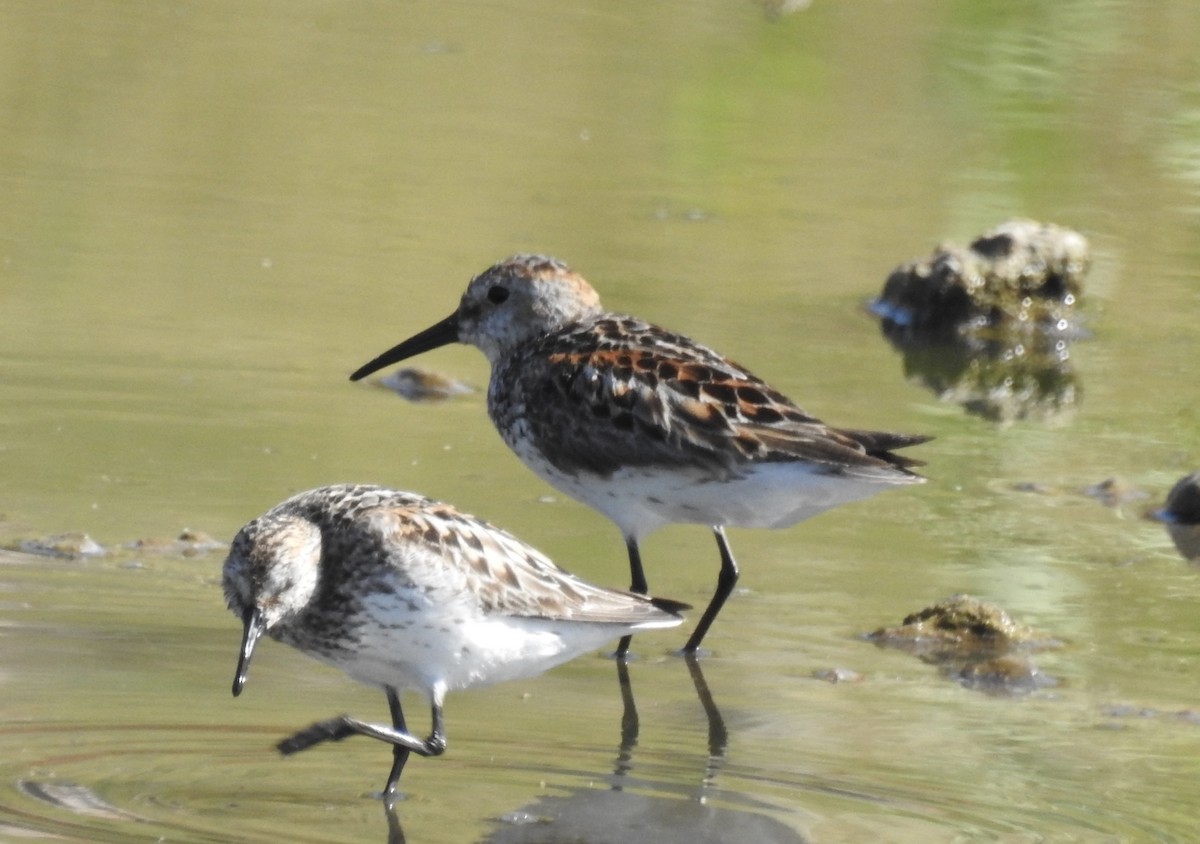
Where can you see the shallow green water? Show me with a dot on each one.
(212, 213)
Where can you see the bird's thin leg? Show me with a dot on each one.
(637, 578)
(399, 754)
(343, 726)
(726, 580)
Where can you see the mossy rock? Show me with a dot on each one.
(1021, 275)
(961, 624)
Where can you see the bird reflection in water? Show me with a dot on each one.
(633, 808)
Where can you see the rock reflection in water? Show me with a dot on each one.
(998, 380)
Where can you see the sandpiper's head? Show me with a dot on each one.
(521, 298)
(507, 304)
(270, 575)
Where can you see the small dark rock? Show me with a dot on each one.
(1113, 492)
(838, 675)
(189, 543)
(1005, 674)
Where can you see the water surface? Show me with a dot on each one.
(211, 214)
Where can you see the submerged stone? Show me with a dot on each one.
(188, 543)
(838, 675)
(72, 544)
(1006, 674)
(1113, 492)
(422, 385)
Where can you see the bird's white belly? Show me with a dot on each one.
(770, 495)
(458, 653)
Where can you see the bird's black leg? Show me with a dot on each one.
(343, 726)
(637, 578)
(399, 754)
(726, 580)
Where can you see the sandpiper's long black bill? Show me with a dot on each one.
(441, 334)
(255, 623)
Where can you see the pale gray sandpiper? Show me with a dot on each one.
(647, 426)
(402, 592)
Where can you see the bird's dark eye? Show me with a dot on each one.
(497, 295)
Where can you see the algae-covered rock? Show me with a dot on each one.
(962, 622)
(974, 642)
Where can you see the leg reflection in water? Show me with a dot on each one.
(718, 736)
(395, 831)
(718, 739)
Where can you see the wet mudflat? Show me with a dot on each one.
(212, 217)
